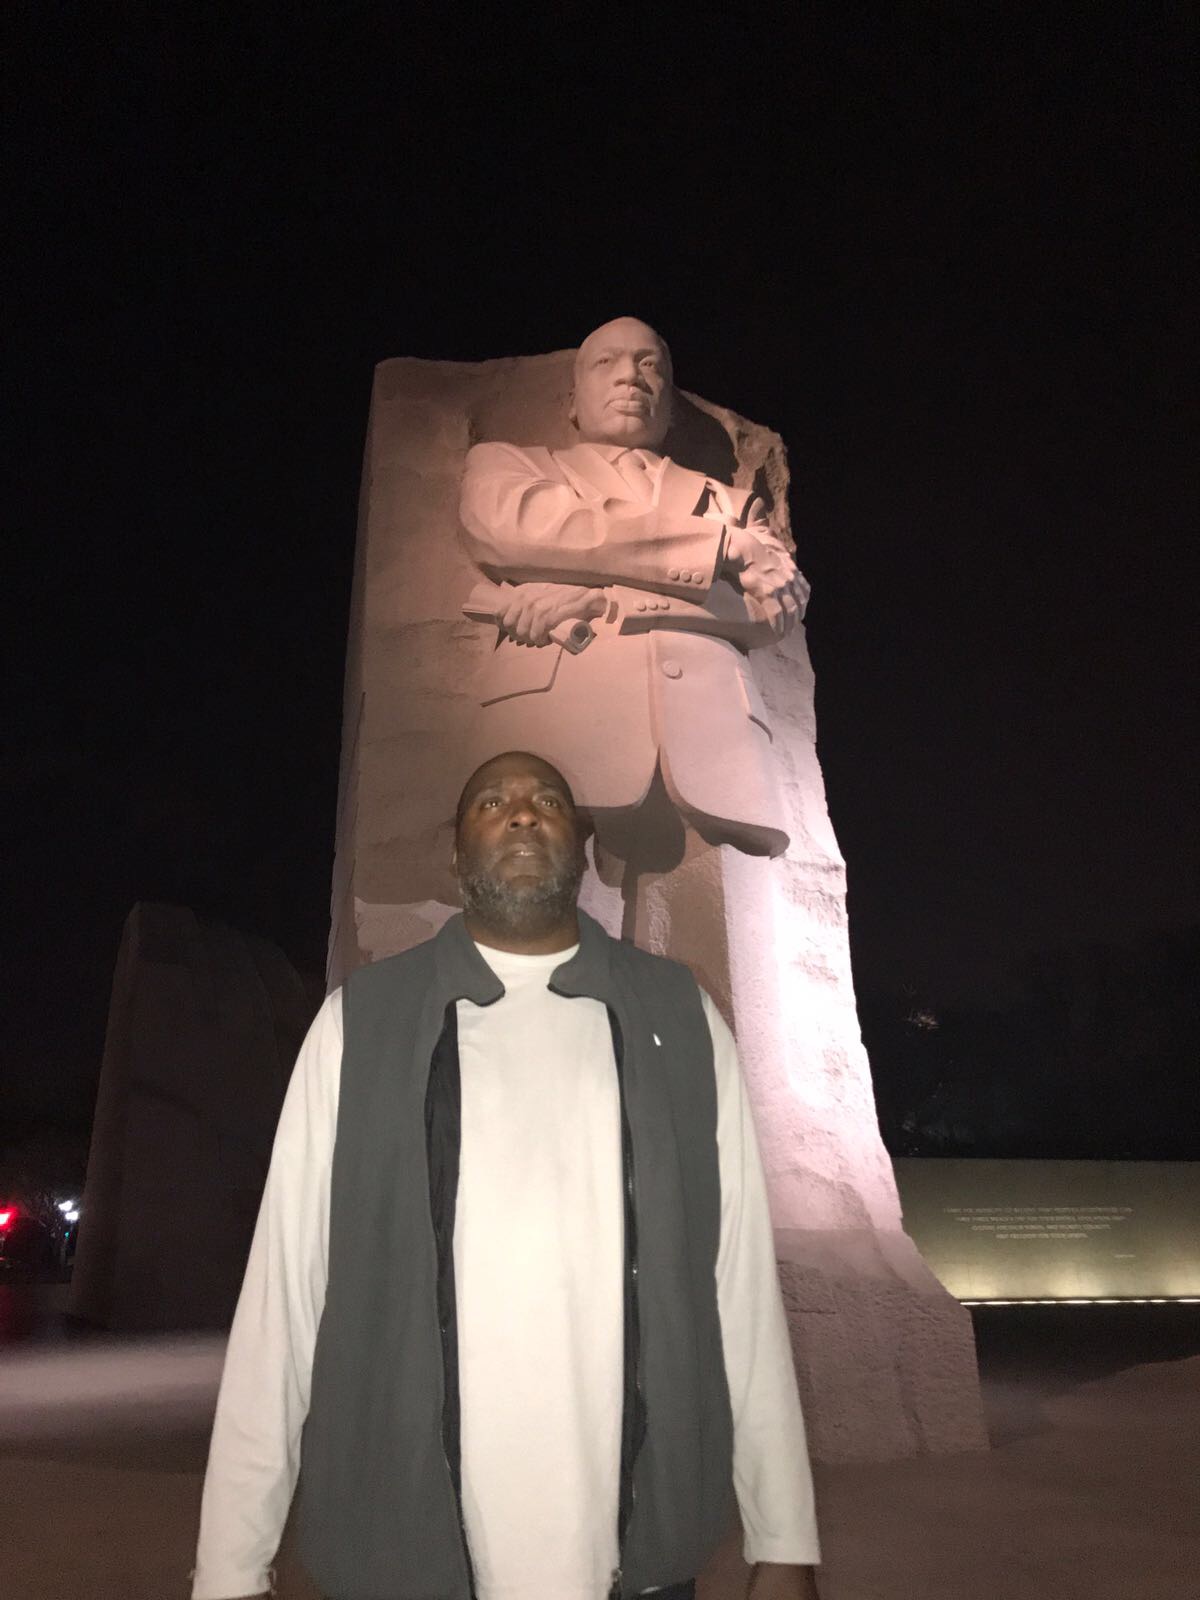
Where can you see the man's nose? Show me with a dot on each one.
(628, 371)
(523, 814)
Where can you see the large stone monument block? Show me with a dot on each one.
(885, 1356)
(203, 1028)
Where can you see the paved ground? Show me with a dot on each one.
(1089, 1494)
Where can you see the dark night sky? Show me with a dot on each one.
(944, 250)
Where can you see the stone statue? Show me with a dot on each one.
(567, 553)
(663, 579)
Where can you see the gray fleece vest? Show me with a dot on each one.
(379, 1494)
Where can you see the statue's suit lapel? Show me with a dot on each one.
(682, 492)
(591, 474)
(686, 493)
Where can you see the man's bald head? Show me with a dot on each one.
(623, 385)
(510, 763)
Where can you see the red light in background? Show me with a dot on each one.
(6, 1215)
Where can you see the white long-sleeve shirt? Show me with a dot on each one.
(538, 1252)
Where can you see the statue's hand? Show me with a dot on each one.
(767, 574)
(534, 608)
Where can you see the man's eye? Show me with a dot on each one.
(492, 800)
(551, 800)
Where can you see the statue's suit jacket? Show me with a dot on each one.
(666, 680)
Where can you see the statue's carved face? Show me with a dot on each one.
(623, 386)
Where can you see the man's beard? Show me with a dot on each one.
(523, 911)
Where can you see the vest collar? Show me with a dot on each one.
(465, 975)
(589, 971)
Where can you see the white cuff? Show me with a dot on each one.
(230, 1583)
(783, 1552)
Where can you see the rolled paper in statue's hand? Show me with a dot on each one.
(487, 602)
(574, 635)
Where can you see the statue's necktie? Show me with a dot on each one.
(635, 470)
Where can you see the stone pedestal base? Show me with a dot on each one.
(884, 1356)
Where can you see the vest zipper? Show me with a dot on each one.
(631, 1194)
(631, 1284)
(462, 1528)
(445, 1060)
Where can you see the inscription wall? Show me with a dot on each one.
(1060, 1230)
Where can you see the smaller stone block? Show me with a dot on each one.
(203, 1029)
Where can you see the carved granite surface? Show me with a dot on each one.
(885, 1356)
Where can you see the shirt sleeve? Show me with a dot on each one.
(254, 1455)
(771, 1473)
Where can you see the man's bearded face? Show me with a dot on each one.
(623, 386)
(519, 847)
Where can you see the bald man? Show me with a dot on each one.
(677, 575)
(511, 1309)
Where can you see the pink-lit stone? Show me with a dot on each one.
(885, 1357)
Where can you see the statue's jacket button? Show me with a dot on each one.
(672, 669)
